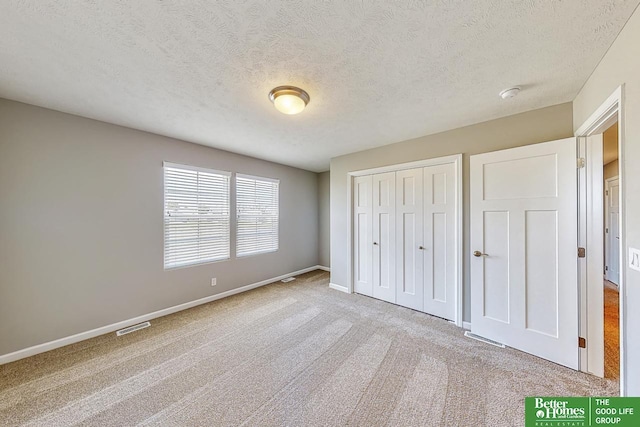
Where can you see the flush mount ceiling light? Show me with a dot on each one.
(289, 99)
(509, 93)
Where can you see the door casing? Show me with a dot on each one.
(603, 117)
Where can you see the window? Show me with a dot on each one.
(257, 213)
(196, 215)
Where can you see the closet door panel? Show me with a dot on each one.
(363, 235)
(440, 240)
(384, 242)
(409, 231)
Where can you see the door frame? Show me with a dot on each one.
(603, 117)
(456, 159)
(607, 244)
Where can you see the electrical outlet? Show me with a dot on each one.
(634, 259)
(213, 282)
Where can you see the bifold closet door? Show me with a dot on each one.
(405, 238)
(440, 240)
(384, 242)
(363, 235)
(409, 236)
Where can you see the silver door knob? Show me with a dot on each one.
(478, 254)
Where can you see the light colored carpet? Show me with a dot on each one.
(611, 331)
(295, 354)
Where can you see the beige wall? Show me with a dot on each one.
(610, 143)
(323, 219)
(611, 169)
(621, 66)
(528, 128)
(81, 225)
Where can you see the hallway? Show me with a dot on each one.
(611, 331)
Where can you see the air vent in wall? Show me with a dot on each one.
(133, 328)
(288, 279)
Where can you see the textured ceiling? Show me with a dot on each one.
(377, 72)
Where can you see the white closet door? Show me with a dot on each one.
(440, 240)
(384, 242)
(409, 223)
(363, 235)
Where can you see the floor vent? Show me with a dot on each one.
(288, 279)
(133, 328)
(482, 339)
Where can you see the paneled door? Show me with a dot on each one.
(613, 231)
(439, 247)
(384, 231)
(363, 235)
(524, 289)
(409, 235)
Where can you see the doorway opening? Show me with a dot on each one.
(602, 303)
(611, 262)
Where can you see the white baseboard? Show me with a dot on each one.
(339, 287)
(51, 345)
(466, 325)
(322, 267)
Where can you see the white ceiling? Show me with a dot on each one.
(377, 72)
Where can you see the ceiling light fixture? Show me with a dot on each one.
(509, 93)
(289, 99)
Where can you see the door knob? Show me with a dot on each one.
(421, 248)
(375, 243)
(478, 254)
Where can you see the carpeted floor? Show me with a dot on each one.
(611, 331)
(295, 354)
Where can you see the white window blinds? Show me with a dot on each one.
(257, 214)
(196, 215)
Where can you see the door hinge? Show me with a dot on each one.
(582, 343)
(606, 193)
(606, 268)
(606, 230)
(581, 162)
(582, 252)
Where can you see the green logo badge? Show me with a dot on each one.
(582, 411)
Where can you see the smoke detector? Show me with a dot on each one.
(509, 93)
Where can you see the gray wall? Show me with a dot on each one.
(621, 65)
(324, 249)
(81, 225)
(528, 128)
